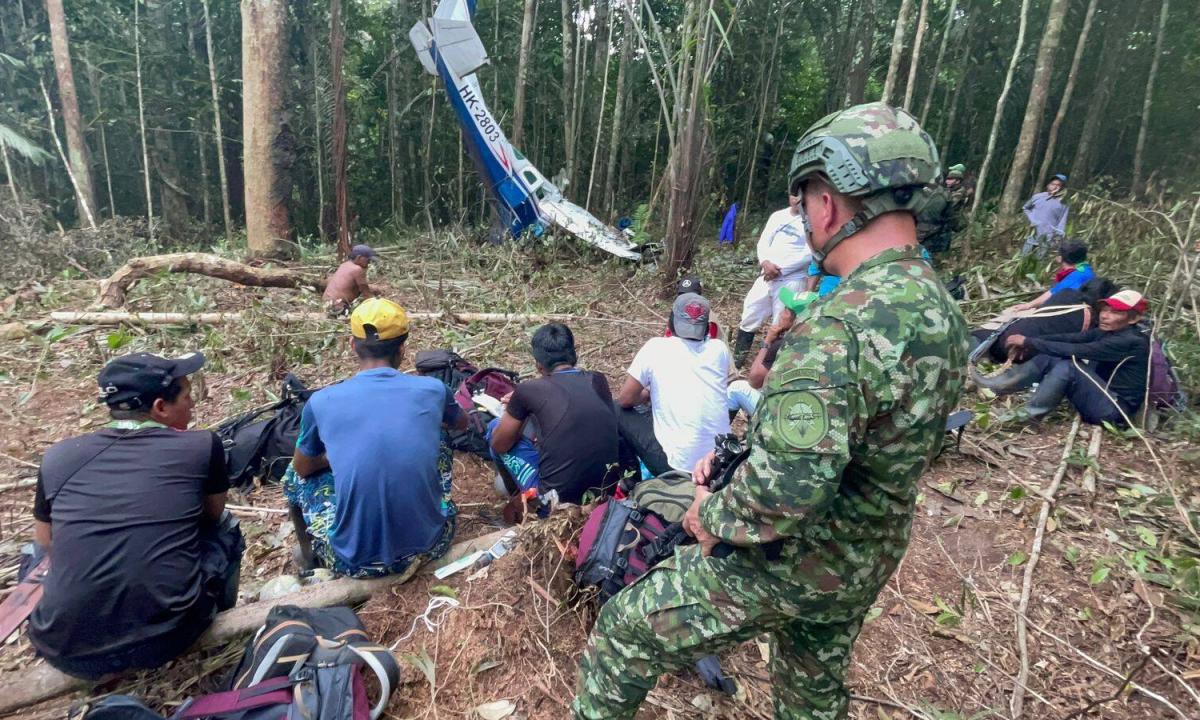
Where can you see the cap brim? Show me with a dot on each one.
(1118, 305)
(691, 330)
(187, 364)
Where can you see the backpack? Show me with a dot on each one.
(668, 496)
(464, 379)
(261, 443)
(620, 543)
(303, 664)
(1164, 383)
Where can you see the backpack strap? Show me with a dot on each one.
(387, 671)
(276, 691)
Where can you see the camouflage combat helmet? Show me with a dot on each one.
(873, 152)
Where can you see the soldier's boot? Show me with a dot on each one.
(741, 347)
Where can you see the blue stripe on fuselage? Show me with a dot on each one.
(517, 208)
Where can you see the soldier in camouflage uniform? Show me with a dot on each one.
(853, 412)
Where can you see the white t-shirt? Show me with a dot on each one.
(784, 242)
(687, 380)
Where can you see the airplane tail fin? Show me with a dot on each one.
(457, 42)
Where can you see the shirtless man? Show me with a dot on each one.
(349, 281)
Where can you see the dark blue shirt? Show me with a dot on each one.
(380, 431)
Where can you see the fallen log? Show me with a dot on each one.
(119, 317)
(43, 682)
(113, 289)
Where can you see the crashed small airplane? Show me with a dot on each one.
(526, 201)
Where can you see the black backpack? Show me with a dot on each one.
(457, 374)
(261, 443)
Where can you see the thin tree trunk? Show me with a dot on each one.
(568, 84)
(893, 72)
(981, 185)
(618, 113)
(1065, 103)
(767, 79)
(1113, 50)
(937, 65)
(1139, 154)
(220, 138)
(340, 191)
(581, 58)
(915, 61)
(77, 150)
(518, 123)
(1043, 73)
(860, 59)
(12, 180)
(391, 134)
(264, 64)
(87, 212)
(201, 146)
(94, 84)
(600, 120)
(319, 150)
(137, 56)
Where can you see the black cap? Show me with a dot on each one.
(134, 381)
(689, 285)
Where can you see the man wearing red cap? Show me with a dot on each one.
(1102, 371)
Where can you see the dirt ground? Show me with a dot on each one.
(1106, 634)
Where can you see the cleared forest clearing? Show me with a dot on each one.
(1107, 624)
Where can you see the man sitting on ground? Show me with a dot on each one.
(685, 378)
(369, 485)
(574, 426)
(1108, 389)
(349, 282)
(133, 516)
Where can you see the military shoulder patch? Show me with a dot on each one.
(802, 420)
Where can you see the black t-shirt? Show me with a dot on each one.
(576, 430)
(125, 508)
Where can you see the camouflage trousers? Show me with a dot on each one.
(690, 606)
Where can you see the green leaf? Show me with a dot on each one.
(485, 665)
(444, 591)
(22, 145)
(58, 332)
(872, 614)
(423, 663)
(1099, 576)
(119, 339)
(1016, 493)
(1017, 558)
(981, 498)
(1146, 535)
(240, 394)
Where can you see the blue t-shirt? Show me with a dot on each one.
(380, 431)
(1075, 280)
(828, 283)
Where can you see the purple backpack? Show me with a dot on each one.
(1164, 383)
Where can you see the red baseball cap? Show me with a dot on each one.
(1127, 300)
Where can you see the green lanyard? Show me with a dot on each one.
(134, 424)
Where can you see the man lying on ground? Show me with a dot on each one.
(369, 485)
(1108, 388)
(349, 282)
(133, 517)
(574, 425)
(684, 378)
(1073, 271)
(1067, 311)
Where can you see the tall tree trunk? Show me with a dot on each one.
(137, 57)
(764, 98)
(518, 123)
(12, 180)
(568, 86)
(1139, 154)
(264, 64)
(1042, 76)
(172, 196)
(600, 120)
(319, 149)
(77, 150)
(981, 185)
(1115, 36)
(915, 61)
(937, 65)
(1065, 103)
(220, 138)
(893, 72)
(197, 127)
(614, 142)
(860, 58)
(337, 45)
(102, 122)
(87, 212)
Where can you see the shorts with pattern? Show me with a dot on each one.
(317, 500)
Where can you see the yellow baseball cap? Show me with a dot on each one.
(378, 319)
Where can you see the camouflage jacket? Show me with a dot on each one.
(852, 413)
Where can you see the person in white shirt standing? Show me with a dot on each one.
(685, 376)
(784, 255)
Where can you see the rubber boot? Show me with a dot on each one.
(1051, 390)
(1017, 378)
(741, 347)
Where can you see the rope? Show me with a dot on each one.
(445, 604)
